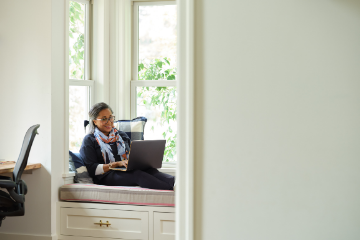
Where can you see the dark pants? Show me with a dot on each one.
(150, 178)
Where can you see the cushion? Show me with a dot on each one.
(81, 173)
(133, 128)
(71, 165)
(117, 195)
(76, 158)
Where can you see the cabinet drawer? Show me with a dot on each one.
(164, 226)
(84, 222)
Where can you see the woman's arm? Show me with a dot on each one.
(93, 163)
(89, 155)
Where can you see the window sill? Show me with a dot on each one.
(168, 170)
(68, 177)
(69, 174)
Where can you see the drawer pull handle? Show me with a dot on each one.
(101, 223)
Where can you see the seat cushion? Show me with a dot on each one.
(116, 195)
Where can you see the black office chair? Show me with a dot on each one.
(12, 203)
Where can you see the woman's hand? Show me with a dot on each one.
(122, 163)
(107, 167)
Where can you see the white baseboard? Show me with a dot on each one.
(14, 236)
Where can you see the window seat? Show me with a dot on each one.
(117, 195)
(112, 212)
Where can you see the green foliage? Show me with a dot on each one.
(162, 97)
(76, 40)
(157, 70)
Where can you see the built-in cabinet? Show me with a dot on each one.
(79, 221)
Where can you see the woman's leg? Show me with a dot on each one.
(135, 178)
(161, 176)
(117, 178)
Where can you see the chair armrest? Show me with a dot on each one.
(10, 187)
(5, 177)
(7, 184)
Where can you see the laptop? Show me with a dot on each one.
(144, 154)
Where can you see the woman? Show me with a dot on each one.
(104, 147)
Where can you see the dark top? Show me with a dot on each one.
(91, 154)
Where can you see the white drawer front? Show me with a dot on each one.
(124, 224)
(164, 226)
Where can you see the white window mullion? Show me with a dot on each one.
(144, 83)
(74, 82)
(154, 83)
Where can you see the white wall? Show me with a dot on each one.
(32, 92)
(277, 120)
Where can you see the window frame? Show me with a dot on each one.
(135, 24)
(135, 82)
(76, 82)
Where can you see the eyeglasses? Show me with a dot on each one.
(105, 120)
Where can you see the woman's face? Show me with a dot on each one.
(104, 124)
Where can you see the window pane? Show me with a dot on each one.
(157, 40)
(78, 112)
(76, 40)
(158, 105)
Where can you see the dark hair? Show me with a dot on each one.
(94, 113)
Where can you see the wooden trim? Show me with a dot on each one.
(153, 3)
(154, 83)
(122, 57)
(135, 1)
(81, 1)
(69, 174)
(135, 44)
(75, 82)
(100, 52)
(66, 81)
(87, 41)
(64, 204)
(185, 150)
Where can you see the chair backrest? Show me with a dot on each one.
(24, 153)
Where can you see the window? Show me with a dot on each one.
(153, 85)
(81, 88)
